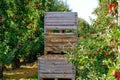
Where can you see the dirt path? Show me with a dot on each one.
(27, 72)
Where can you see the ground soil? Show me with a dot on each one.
(25, 72)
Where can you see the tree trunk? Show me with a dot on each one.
(16, 63)
(1, 71)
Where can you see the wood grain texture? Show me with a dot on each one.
(58, 38)
(60, 34)
(60, 20)
(60, 14)
(57, 75)
(61, 27)
(55, 66)
(60, 24)
(60, 42)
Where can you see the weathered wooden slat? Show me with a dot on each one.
(61, 37)
(65, 68)
(61, 18)
(60, 14)
(60, 62)
(52, 58)
(60, 34)
(49, 60)
(60, 24)
(60, 21)
(56, 71)
(60, 27)
(61, 40)
(57, 75)
(60, 44)
(53, 49)
(52, 62)
(46, 65)
(55, 40)
(58, 48)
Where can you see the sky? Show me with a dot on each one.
(83, 7)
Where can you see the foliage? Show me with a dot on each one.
(59, 6)
(83, 27)
(21, 28)
(97, 54)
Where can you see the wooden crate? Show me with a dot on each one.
(56, 67)
(58, 42)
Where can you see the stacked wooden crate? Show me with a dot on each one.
(58, 42)
(56, 66)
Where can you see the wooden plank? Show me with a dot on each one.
(45, 65)
(61, 27)
(58, 57)
(54, 14)
(49, 68)
(58, 48)
(60, 34)
(60, 14)
(61, 18)
(55, 40)
(60, 37)
(57, 75)
(60, 24)
(56, 71)
(60, 21)
(53, 62)
(55, 59)
(63, 14)
(57, 68)
(62, 41)
(60, 44)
